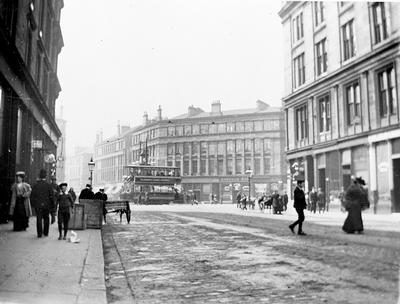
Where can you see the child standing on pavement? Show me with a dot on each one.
(65, 204)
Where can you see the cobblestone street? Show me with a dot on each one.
(193, 257)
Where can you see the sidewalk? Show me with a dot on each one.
(46, 270)
(381, 222)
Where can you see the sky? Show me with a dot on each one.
(124, 59)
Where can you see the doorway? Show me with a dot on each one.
(396, 185)
(322, 180)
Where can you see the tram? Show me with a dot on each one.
(147, 184)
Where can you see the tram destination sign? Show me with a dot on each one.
(150, 180)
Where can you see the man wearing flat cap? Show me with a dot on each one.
(65, 205)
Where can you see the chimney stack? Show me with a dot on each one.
(145, 118)
(159, 116)
(216, 108)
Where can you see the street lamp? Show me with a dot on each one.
(249, 173)
(91, 165)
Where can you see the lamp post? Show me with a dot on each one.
(91, 165)
(249, 173)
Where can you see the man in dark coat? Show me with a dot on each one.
(285, 200)
(56, 188)
(86, 193)
(299, 204)
(42, 199)
(101, 196)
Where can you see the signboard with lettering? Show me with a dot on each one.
(37, 144)
(146, 180)
(77, 219)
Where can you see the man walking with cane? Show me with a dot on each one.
(299, 205)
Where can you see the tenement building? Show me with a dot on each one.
(341, 65)
(77, 173)
(215, 149)
(30, 42)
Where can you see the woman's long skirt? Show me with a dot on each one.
(20, 219)
(353, 221)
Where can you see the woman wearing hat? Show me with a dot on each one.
(20, 208)
(355, 200)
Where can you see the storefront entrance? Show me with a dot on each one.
(396, 185)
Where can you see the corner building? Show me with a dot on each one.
(341, 97)
(30, 42)
(214, 149)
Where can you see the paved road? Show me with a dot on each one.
(193, 257)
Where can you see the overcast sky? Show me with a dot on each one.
(122, 59)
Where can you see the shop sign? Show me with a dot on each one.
(383, 167)
(37, 144)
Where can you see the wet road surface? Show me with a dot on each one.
(192, 257)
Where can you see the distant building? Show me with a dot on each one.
(341, 99)
(61, 149)
(77, 169)
(109, 160)
(30, 40)
(214, 149)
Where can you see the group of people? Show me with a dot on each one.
(275, 202)
(47, 200)
(354, 200)
(316, 199)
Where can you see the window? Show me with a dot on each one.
(267, 146)
(348, 40)
(171, 149)
(221, 148)
(248, 145)
(258, 125)
(298, 32)
(239, 166)
(267, 165)
(321, 56)
(230, 147)
(301, 122)
(248, 126)
(203, 147)
(171, 131)
(229, 166)
(324, 113)
(220, 164)
(195, 148)
(257, 146)
(257, 166)
(186, 148)
(202, 166)
(353, 100)
(230, 127)
(240, 126)
(212, 148)
(195, 129)
(319, 12)
(222, 128)
(299, 72)
(194, 167)
(188, 130)
(239, 146)
(213, 128)
(212, 166)
(203, 129)
(387, 91)
(379, 18)
(179, 131)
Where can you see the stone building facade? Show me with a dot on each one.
(77, 173)
(214, 149)
(30, 40)
(341, 97)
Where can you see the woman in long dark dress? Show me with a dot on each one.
(20, 208)
(355, 200)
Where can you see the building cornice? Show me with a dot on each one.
(287, 8)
